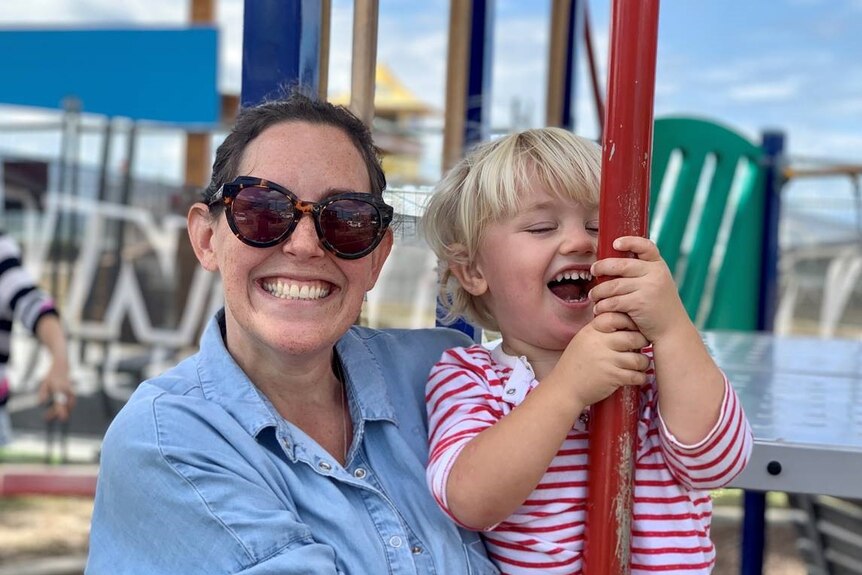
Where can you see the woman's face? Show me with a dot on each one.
(294, 298)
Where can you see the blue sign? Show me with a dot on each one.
(167, 75)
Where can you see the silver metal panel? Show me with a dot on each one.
(810, 470)
(803, 397)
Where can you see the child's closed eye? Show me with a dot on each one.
(592, 227)
(541, 228)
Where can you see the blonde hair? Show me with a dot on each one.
(486, 187)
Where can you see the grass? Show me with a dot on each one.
(13, 456)
(729, 497)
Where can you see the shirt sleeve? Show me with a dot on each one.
(459, 408)
(720, 456)
(20, 297)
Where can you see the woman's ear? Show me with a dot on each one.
(200, 227)
(378, 258)
(467, 273)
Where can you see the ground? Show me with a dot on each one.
(34, 528)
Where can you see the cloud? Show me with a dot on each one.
(764, 92)
(229, 17)
(852, 105)
(95, 12)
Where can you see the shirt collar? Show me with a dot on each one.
(225, 383)
(521, 377)
(365, 374)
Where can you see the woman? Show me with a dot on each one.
(293, 441)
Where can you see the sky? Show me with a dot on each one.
(792, 65)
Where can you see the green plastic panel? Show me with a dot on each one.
(710, 228)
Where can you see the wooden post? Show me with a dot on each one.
(457, 68)
(626, 161)
(558, 59)
(363, 72)
(197, 169)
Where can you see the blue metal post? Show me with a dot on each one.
(773, 156)
(753, 533)
(569, 119)
(478, 109)
(754, 519)
(280, 47)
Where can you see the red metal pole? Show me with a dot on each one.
(626, 160)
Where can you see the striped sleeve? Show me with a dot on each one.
(20, 298)
(720, 456)
(459, 408)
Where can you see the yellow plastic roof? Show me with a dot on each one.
(390, 95)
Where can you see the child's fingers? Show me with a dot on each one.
(629, 341)
(630, 377)
(611, 288)
(619, 267)
(612, 322)
(635, 361)
(644, 248)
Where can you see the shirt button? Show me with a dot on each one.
(395, 541)
(324, 466)
(359, 473)
(416, 550)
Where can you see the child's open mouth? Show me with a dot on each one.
(572, 286)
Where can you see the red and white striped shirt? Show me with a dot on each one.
(470, 389)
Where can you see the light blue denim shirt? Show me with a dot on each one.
(199, 474)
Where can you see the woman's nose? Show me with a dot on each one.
(304, 241)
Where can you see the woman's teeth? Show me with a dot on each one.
(286, 290)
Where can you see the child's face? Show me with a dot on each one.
(535, 268)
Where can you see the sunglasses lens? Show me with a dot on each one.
(261, 215)
(350, 226)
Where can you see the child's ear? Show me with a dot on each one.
(470, 277)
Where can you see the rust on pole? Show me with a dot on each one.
(626, 161)
(457, 68)
(363, 70)
(557, 55)
(323, 54)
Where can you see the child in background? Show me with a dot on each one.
(515, 225)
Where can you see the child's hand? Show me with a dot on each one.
(603, 356)
(643, 288)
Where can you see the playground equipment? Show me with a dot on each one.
(700, 270)
(626, 159)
